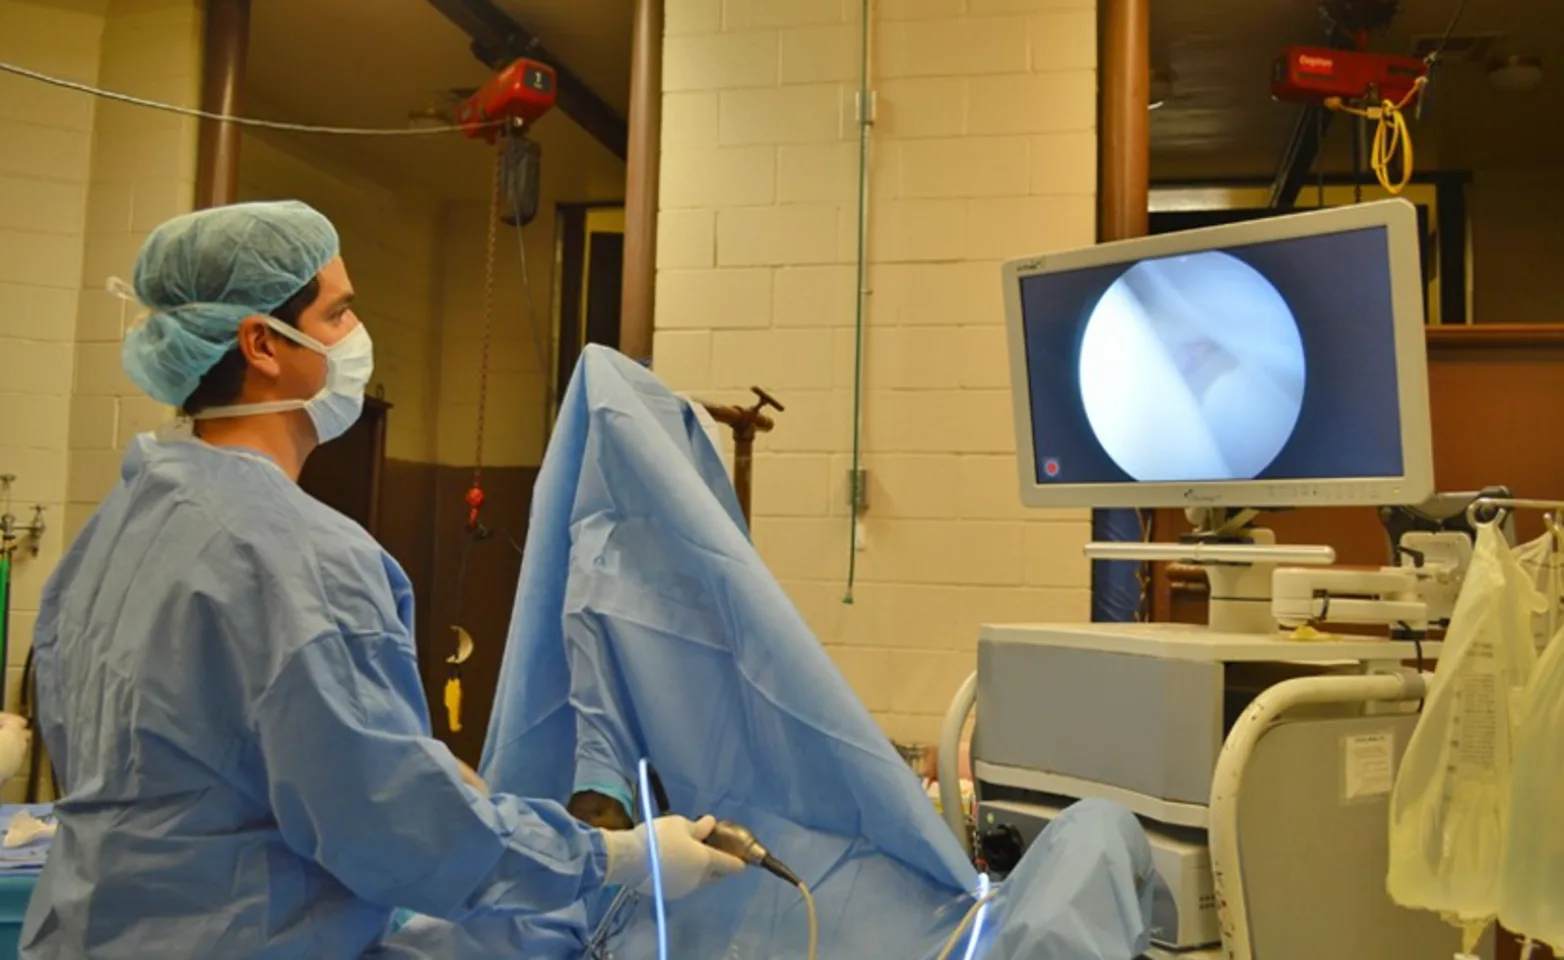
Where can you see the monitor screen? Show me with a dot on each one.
(1270, 364)
(1270, 361)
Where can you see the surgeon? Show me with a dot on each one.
(227, 682)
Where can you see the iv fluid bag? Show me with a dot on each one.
(1531, 886)
(1449, 808)
(1544, 564)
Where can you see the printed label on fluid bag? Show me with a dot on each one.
(1370, 765)
(1475, 725)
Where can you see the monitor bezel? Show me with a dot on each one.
(1416, 482)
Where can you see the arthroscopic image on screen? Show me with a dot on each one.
(1266, 361)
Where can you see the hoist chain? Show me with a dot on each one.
(496, 189)
(453, 681)
(495, 192)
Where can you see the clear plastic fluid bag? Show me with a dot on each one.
(1449, 807)
(1543, 562)
(1531, 885)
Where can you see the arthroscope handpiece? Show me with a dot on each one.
(736, 841)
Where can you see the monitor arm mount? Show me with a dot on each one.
(1258, 585)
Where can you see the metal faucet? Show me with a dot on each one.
(745, 422)
(10, 529)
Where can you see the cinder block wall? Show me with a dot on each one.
(984, 148)
(45, 169)
(143, 172)
(81, 182)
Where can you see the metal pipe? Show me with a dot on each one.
(641, 178)
(745, 422)
(1226, 861)
(948, 764)
(227, 45)
(743, 469)
(1238, 554)
(1125, 159)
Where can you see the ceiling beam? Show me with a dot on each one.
(497, 40)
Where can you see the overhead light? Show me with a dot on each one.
(1515, 74)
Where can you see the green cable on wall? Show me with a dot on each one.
(865, 120)
(5, 615)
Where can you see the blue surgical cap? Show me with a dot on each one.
(200, 274)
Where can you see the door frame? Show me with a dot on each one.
(574, 225)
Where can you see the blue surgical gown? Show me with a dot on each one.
(229, 691)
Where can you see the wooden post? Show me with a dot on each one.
(222, 91)
(641, 176)
(1124, 161)
(1125, 157)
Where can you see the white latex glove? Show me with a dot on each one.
(687, 863)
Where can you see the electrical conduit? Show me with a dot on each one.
(865, 121)
(5, 615)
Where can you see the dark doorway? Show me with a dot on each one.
(605, 279)
(591, 278)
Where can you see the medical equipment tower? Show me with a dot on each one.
(1270, 364)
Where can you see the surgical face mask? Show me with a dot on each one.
(350, 362)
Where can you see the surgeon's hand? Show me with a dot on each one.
(687, 863)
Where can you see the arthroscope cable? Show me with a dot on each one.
(736, 840)
(659, 904)
(974, 919)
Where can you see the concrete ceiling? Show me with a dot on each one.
(372, 63)
(1221, 120)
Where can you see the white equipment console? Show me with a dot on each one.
(1138, 714)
